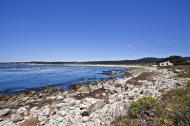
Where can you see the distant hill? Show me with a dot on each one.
(144, 61)
(148, 60)
(187, 58)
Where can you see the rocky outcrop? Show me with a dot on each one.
(111, 72)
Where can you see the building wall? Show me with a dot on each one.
(166, 64)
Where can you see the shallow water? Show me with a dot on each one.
(16, 77)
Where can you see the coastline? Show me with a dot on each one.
(38, 79)
(92, 104)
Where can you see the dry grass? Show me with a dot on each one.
(125, 121)
(143, 76)
(147, 76)
(185, 68)
(184, 75)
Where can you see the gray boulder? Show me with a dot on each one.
(4, 112)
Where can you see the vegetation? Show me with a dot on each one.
(184, 75)
(138, 107)
(183, 117)
(176, 60)
(172, 110)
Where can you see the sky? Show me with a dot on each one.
(83, 30)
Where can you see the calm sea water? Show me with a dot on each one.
(17, 77)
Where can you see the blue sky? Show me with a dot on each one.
(78, 30)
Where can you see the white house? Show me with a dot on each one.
(166, 63)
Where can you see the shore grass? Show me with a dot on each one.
(184, 75)
(172, 110)
(141, 105)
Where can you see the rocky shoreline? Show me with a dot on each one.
(96, 104)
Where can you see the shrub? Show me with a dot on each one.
(183, 117)
(188, 84)
(141, 105)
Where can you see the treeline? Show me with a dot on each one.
(121, 62)
(176, 60)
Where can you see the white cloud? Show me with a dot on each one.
(130, 46)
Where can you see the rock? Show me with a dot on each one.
(63, 113)
(75, 87)
(59, 119)
(45, 110)
(4, 112)
(71, 108)
(95, 106)
(111, 101)
(69, 101)
(59, 98)
(85, 113)
(85, 119)
(119, 97)
(40, 95)
(77, 102)
(142, 92)
(7, 123)
(104, 94)
(42, 118)
(16, 117)
(60, 105)
(82, 106)
(111, 72)
(25, 98)
(30, 122)
(51, 98)
(22, 111)
(34, 110)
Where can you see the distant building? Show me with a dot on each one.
(166, 63)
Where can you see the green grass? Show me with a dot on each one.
(142, 104)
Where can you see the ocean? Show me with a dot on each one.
(21, 77)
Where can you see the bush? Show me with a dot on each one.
(188, 84)
(141, 105)
(183, 117)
